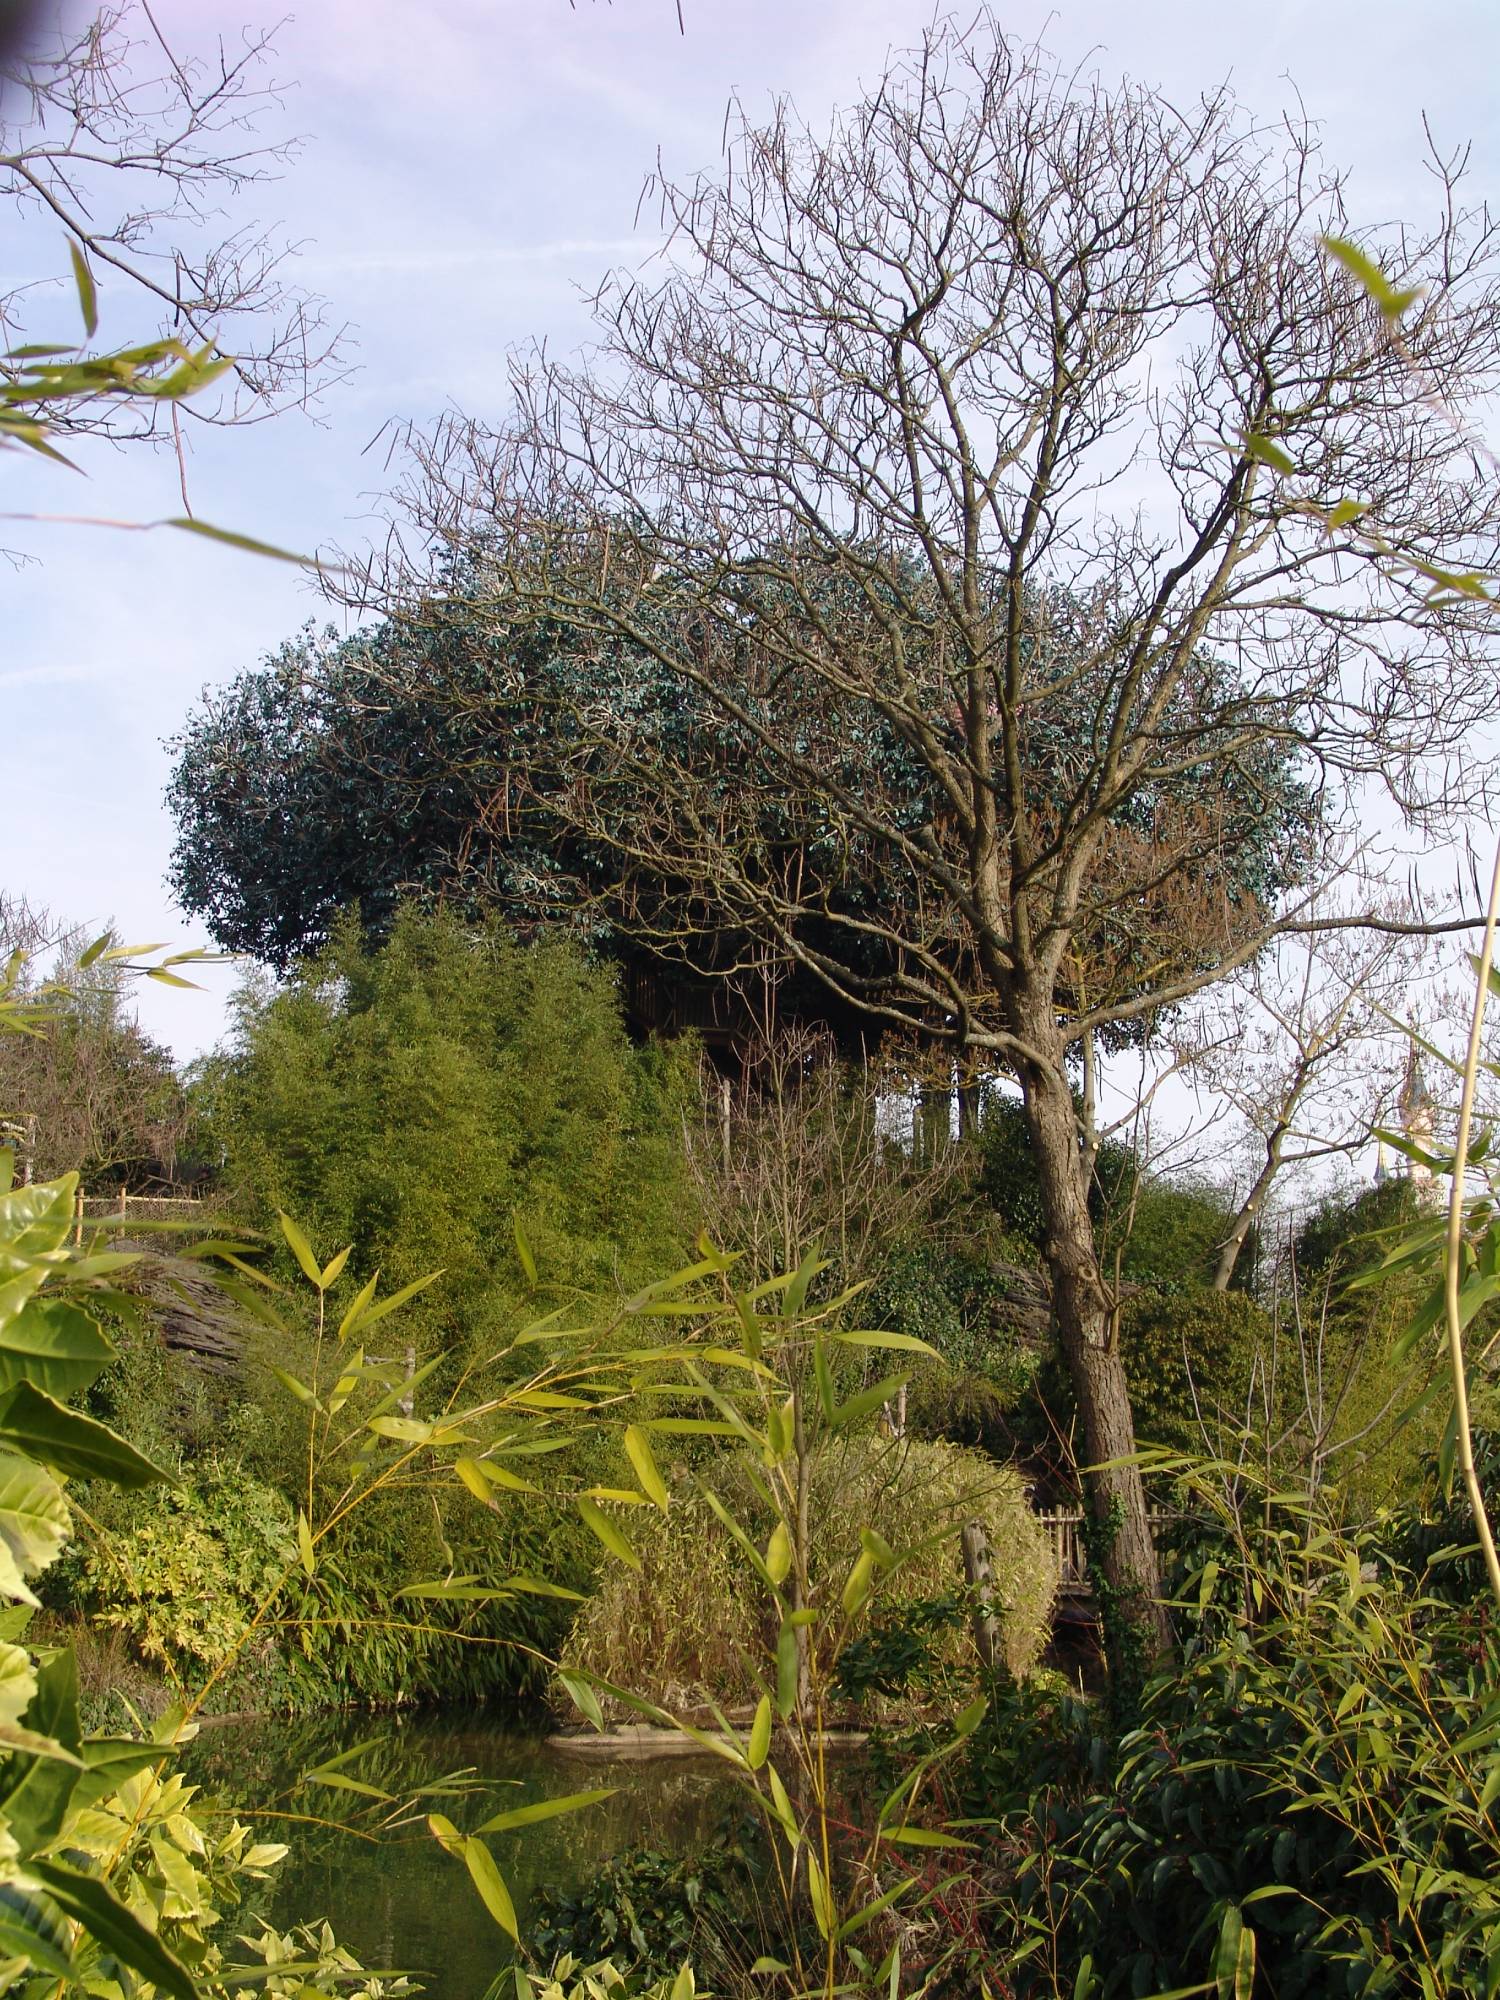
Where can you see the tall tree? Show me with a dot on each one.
(1004, 362)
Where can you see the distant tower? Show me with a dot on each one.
(1419, 1123)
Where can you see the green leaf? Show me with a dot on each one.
(33, 1523)
(248, 542)
(290, 1383)
(923, 1836)
(305, 1544)
(908, 1343)
(867, 1402)
(108, 1762)
(301, 1248)
(1368, 275)
(1234, 1957)
(760, 1734)
(583, 1698)
(35, 1220)
(531, 1815)
(340, 1781)
(458, 1589)
(80, 1446)
(638, 1450)
(53, 1344)
(398, 1299)
(857, 1584)
(824, 1377)
(872, 1910)
(536, 1586)
(17, 1682)
(33, 1929)
(328, 1277)
(779, 1555)
(351, 1318)
(608, 1532)
(38, 1781)
(818, 1896)
(1259, 446)
(490, 1883)
(119, 1931)
(786, 1670)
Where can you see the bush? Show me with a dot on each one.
(414, 1100)
(183, 1582)
(687, 1630)
(1303, 1807)
(645, 1912)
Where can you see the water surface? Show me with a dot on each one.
(396, 1900)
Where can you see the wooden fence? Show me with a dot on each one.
(127, 1208)
(1065, 1526)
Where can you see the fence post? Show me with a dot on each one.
(980, 1581)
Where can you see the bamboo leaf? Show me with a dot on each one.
(301, 1248)
(613, 1538)
(638, 1450)
(329, 1276)
(532, 1815)
(760, 1734)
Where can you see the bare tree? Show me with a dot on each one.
(132, 152)
(83, 1090)
(1306, 1048)
(934, 464)
(792, 1154)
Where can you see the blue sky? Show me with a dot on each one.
(462, 179)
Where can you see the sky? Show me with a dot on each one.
(468, 169)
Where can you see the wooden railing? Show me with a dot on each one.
(1065, 1525)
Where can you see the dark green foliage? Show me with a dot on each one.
(1432, 1536)
(896, 1655)
(1349, 1229)
(416, 1099)
(446, 758)
(645, 1910)
(1315, 1771)
(1189, 1357)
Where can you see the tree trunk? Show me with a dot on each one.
(1122, 1554)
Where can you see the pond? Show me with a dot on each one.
(395, 1899)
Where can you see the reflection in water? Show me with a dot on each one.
(395, 1899)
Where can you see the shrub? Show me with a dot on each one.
(414, 1100)
(1303, 1810)
(687, 1629)
(183, 1582)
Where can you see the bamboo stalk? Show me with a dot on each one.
(1453, 1255)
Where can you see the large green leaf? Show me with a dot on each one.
(108, 1762)
(36, 1789)
(35, 1220)
(33, 1928)
(37, 1424)
(33, 1523)
(114, 1929)
(54, 1345)
(17, 1682)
